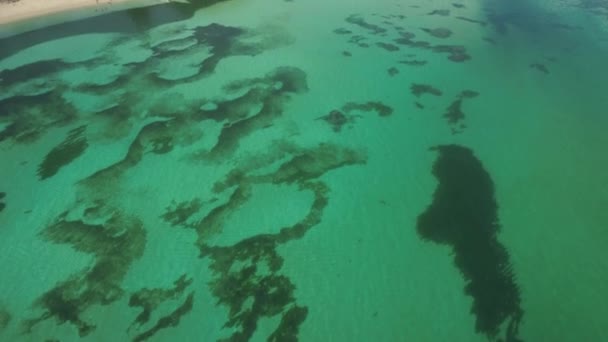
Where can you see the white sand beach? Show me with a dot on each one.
(12, 11)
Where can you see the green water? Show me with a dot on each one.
(274, 170)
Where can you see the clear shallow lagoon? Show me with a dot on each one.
(277, 171)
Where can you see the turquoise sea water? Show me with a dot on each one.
(271, 170)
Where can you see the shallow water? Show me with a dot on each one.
(302, 170)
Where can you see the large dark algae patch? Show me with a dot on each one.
(464, 216)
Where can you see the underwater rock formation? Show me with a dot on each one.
(464, 216)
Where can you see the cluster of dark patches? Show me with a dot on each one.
(419, 89)
(63, 154)
(114, 245)
(31, 116)
(464, 216)
(239, 281)
(170, 320)
(359, 40)
(178, 214)
(456, 53)
(119, 240)
(99, 284)
(149, 300)
(267, 93)
(240, 284)
(144, 143)
(338, 118)
(540, 67)
(454, 114)
(222, 41)
(2, 204)
(357, 20)
(261, 104)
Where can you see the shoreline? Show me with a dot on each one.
(26, 15)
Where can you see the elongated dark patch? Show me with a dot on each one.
(71, 148)
(171, 320)
(149, 299)
(2, 204)
(464, 216)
